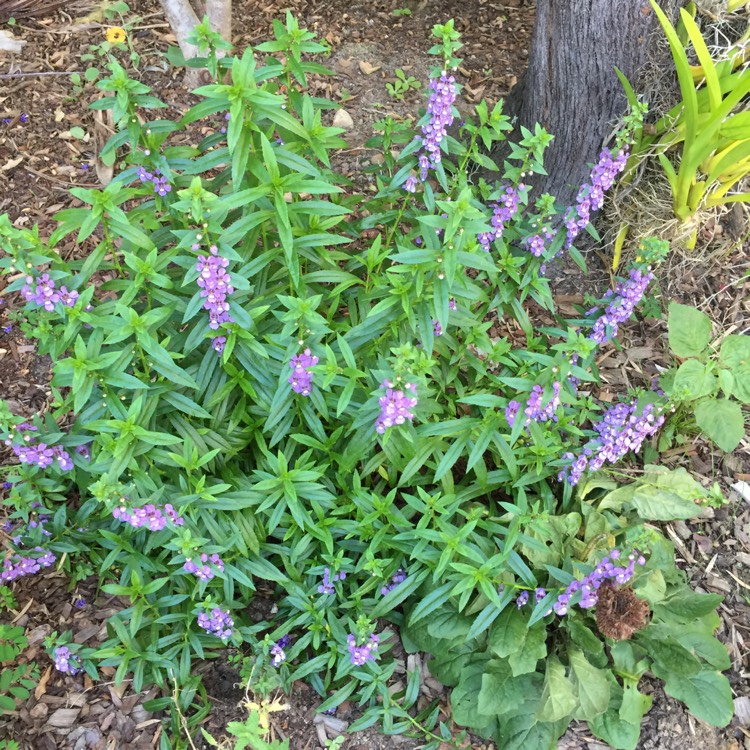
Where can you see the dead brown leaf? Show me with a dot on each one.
(41, 688)
(368, 69)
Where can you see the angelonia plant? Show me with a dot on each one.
(263, 381)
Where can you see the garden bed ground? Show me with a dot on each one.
(40, 160)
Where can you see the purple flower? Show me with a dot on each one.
(628, 293)
(522, 599)
(539, 594)
(411, 184)
(79, 603)
(359, 655)
(218, 343)
(65, 661)
(511, 410)
(18, 566)
(437, 328)
(327, 587)
(149, 516)
(588, 586)
(216, 286)
(451, 304)
(41, 455)
(278, 655)
(395, 407)
(398, 577)
(591, 195)
(534, 410)
(160, 183)
(8, 328)
(502, 212)
(440, 111)
(68, 298)
(301, 377)
(216, 622)
(204, 571)
(83, 450)
(536, 244)
(620, 431)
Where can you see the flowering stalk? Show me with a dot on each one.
(590, 197)
(607, 570)
(620, 431)
(395, 406)
(216, 286)
(203, 570)
(625, 298)
(149, 516)
(44, 293)
(361, 654)
(301, 377)
(216, 622)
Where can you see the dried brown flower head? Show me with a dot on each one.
(619, 612)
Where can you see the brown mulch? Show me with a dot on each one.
(74, 712)
(40, 160)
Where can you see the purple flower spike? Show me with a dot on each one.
(216, 286)
(278, 655)
(502, 212)
(591, 195)
(203, 569)
(359, 655)
(18, 566)
(301, 377)
(327, 586)
(440, 109)
(216, 622)
(149, 516)
(627, 295)
(589, 586)
(395, 407)
(621, 431)
(398, 577)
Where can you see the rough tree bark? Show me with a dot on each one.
(571, 88)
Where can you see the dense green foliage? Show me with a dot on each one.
(439, 524)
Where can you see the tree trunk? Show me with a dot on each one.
(571, 88)
(184, 15)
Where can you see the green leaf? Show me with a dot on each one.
(619, 734)
(531, 648)
(501, 692)
(707, 695)
(507, 632)
(447, 664)
(689, 330)
(559, 699)
(464, 703)
(735, 356)
(689, 605)
(722, 421)
(664, 495)
(522, 731)
(655, 504)
(590, 684)
(670, 656)
(693, 380)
